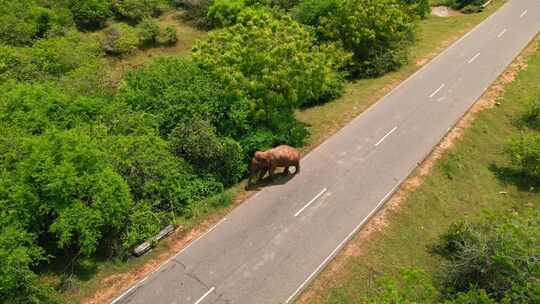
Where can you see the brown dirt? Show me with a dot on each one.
(380, 220)
(443, 11)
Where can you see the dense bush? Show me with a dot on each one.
(276, 70)
(148, 31)
(23, 21)
(224, 12)
(280, 4)
(498, 255)
(136, 10)
(531, 116)
(378, 32)
(59, 55)
(151, 34)
(524, 151)
(310, 12)
(90, 14)
(421, 8)
(167, 36)
(175, 90)
(49, 57)
(61, 182)
(197, 142)
(120, 39)
(18, 256)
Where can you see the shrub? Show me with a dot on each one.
(15, 64)
(224, 12)
(473, 296)
(532, 114)
(58, 55)
(18, 255)
(120, 39)
(279, 4)
(143, 224)
(148, 31)
(275, 70)
(310, 12)
(24, 21)
(167, 36)
(49, 57)
(498, 254)
(174, 90)
(90, 14)
(524, 152)
(421, 8)
(197, 142)
(153, 174)
(136, 10)
(61, 182)
(36, 108)
(197, 11)
(378, 33)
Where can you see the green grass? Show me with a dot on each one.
(435, 35)
(463, 184)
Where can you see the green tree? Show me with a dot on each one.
(90, 14)
(524, 152)
(18, 256)
(36, 108)
(421, 8)
(148, 31)
(175, 90)
(378, 32)
(23, 21)
(136, 10)
(310, 12)
(120, 39)
(49, 58)
(277, 70)
(154, 175)
(197, 142)
(59, 184)
(224, 12)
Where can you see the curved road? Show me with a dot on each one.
(269, 248)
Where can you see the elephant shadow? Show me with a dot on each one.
(267, 181)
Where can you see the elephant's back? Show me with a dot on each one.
(285, 154)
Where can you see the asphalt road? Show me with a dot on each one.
(268, 249)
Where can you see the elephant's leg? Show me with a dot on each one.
(271, 171)
(262, 173)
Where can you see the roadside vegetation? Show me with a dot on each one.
(466, 6)
(97, 156)
(470, 233)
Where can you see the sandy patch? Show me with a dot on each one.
(444, 11)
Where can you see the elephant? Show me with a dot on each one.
(267, 161)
